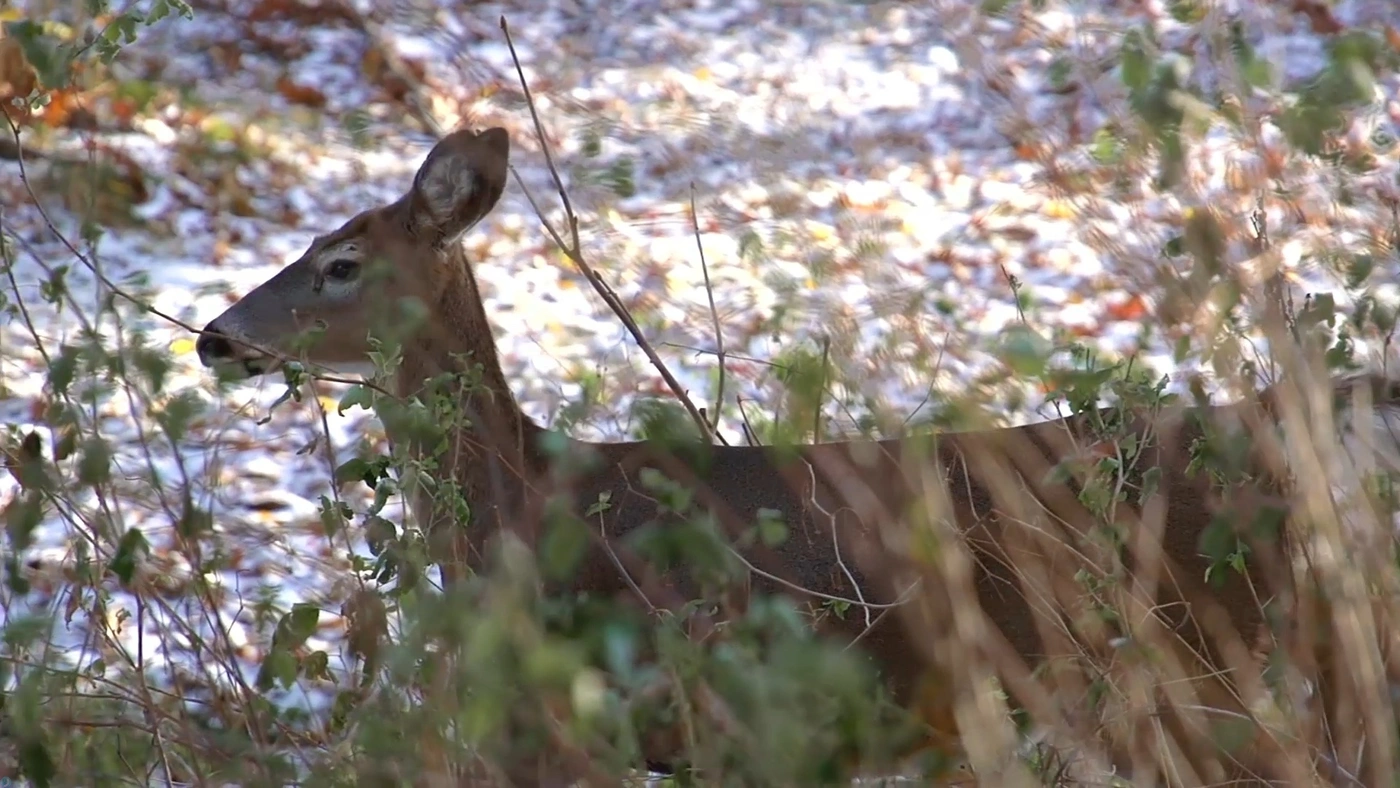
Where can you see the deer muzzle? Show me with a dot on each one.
(217, 350)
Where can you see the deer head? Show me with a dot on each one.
(366, 276)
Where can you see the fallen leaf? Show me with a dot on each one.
(300, 94)
(1058, 209)
(1319, 15)
(1132, 309)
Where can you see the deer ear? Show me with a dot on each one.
(459, 183)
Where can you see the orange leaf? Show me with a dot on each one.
(300, 94)
(17, 79)
(124, 109)
(1132, 309)
(61, 105)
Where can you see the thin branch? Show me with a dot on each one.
(714, 313)
(821, 389)
(700, 351)
(574, 250)
(413, 99)
(750, 436)
(932, 379)
(856, 603)
(1015, 285)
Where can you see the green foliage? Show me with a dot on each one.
(53, 51)
(1346, 83)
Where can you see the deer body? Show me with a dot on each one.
(832, 497)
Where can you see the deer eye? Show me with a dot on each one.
(343, 270)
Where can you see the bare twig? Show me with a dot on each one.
(1015, 285)
(817, 410)
(932, 378)
(714, 313)
(574, 250)
(750, 437)
(413, 99)
(857, 603)
(1278, 304)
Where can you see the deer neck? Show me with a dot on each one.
(458, 339)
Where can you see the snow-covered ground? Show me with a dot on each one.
(875, 173)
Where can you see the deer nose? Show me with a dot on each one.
(213, 347)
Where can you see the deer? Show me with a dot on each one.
(834, 497)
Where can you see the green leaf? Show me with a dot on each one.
(357, 395)
(1182, 348)
(179, 412)
(379, 533)
(130, 550)
(1218, 542)
(1187, 11)
(22, 516)
(1023, 350)
(563, 547)
(317, 665)
(300, 624)
(55, 286)
(333, 515)
(1151, 482)
(1320, 309)
(35, 762)
(1239, 43)
(280, 667)
(1134, 63)
(620, 178)
(553, 663)
(194, 521)
(354, 469)
(51, 60)
(603, 504)
(1359, 269)
(750, 245)
(591, 143)
(63, 369)
(1106, 149)
(1257, 73)
(772, 531)
(293, 374)
(95, 464)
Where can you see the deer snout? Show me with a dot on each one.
(213, 347)
(216, 349)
